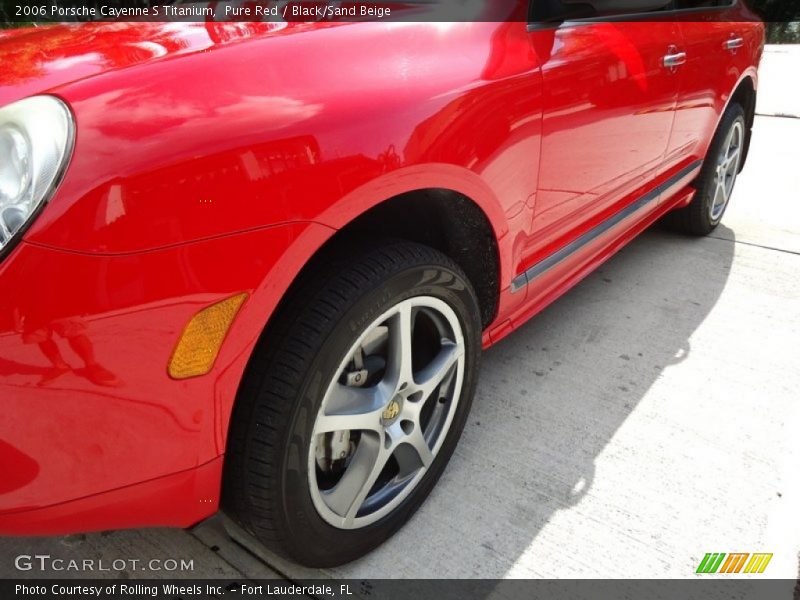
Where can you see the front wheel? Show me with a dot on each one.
(354, 403)
(717, 177)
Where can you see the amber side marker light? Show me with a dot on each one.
(199, 344)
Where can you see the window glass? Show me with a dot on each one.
(693, 4)
(560, 10)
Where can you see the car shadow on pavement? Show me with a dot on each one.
(551, 396)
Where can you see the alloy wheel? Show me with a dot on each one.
(727, 169)
(386, 413)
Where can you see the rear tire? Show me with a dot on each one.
(293, 478)
(717, 178)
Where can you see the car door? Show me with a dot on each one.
(609, 104)
(718, 43)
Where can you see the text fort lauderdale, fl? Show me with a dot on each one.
(172, 590)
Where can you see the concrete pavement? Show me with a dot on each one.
(644, 419)
(779, 88)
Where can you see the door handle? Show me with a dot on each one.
(674, 60)
(734, 44)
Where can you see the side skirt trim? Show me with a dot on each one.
(549, 262)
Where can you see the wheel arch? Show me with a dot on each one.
(746, 94)
(443, 219)
(452, 222)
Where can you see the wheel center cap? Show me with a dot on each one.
(392, 410)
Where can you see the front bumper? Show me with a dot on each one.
(87, 404)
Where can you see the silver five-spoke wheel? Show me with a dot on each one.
(386, 413)
(727, 169)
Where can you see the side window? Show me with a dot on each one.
(563, 10)
(700, 4)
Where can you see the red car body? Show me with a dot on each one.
(213, 159)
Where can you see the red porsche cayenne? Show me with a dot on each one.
(253, 265)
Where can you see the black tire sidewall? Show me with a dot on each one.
(308, 536)
(734, 114)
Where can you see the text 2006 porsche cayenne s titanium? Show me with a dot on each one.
(253, 265)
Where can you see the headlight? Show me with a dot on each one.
(35, 142)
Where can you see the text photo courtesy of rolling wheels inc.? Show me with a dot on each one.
(449, 299)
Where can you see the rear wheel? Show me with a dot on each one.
(350, 412)
(717, 177)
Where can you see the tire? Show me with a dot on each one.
(285, 481)
(708, 206)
